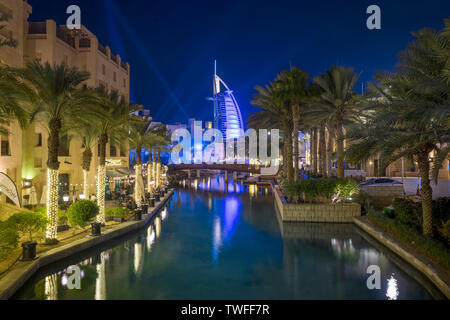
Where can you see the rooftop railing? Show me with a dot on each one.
(63, 33)
(102, 49)
(85, 43)
(37, 27)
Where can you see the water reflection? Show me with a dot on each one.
(211, 245)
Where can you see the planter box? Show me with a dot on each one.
(62, 228)
(119, 220)
(108, 219)
(320, 212)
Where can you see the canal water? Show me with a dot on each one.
(225, 241)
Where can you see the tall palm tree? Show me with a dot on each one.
(410, 115)
(54, 98)
(295, 85)
(338, 103)
(276, 112)
(141, 135)
(88, 134)
(112, 115)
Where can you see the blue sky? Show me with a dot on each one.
(171, 45)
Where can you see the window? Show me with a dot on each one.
(122, 153)
(5, 148)
(103, 69)
(66, 60)
(124, 83)
(38, 139)
(38, 162)
(115, 77)
(112, 151)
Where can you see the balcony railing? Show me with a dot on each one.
(102, 49)
(85, 43)
(124, 66)
(114, 59)
(37, 27)
(63, 33)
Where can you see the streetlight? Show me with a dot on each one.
(66, 198)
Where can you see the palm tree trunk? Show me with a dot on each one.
(87, 158)
(150, 174)
(340, 148)
(101, 179)
(52, 180)
(329, 153)
(427, 193)
(314, 150)
(296, 116)
(158, 170)
(322, 151)
(288, 140)
(137, 186)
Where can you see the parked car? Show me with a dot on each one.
(381, 182)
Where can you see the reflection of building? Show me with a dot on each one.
(227, 115)
(23, 154)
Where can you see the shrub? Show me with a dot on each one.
(318, 190)
(117, 212)
(389, 212)
(81, 213)
(9, 239)
(27, 223)
(408, 212)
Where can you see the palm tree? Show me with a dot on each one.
(53, 100)
(88, 134)
(410, 115)
(276, 112)
(295, 85)
(112, 115)
(337, 103)
(141, 135)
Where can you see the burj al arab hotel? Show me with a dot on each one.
(227, 115)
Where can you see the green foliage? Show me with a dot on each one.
(389, 212)
(27, 223)
(444, 232)
(81, 213)
(408, 213)
(321, 190)
(117, 212)
(9, 239)
(426, 245)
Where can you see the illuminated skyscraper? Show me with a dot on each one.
(227, 115)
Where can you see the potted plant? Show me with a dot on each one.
(83, 212)
(27, 223)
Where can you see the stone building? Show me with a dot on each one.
(23, 154)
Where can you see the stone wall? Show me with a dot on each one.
(383, 196)
(328, 212)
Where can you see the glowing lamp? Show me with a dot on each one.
(82, 196)
(66, 198)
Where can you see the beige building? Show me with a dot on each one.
(23, 154)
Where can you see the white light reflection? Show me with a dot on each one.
(392, 289)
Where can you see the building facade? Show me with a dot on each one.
(24, 152)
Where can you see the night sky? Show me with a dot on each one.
(171, 45)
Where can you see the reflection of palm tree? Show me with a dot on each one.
(100, 282)
(51, 287)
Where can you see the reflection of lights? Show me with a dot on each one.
(51, 287)
(253, 190)
(158, 226)
(196, 185)
(82, 196)
(64, 280)
(100, 281)
(137, 257)
(392, 290)
(150, 238)
(164, 214)
(217, 238)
